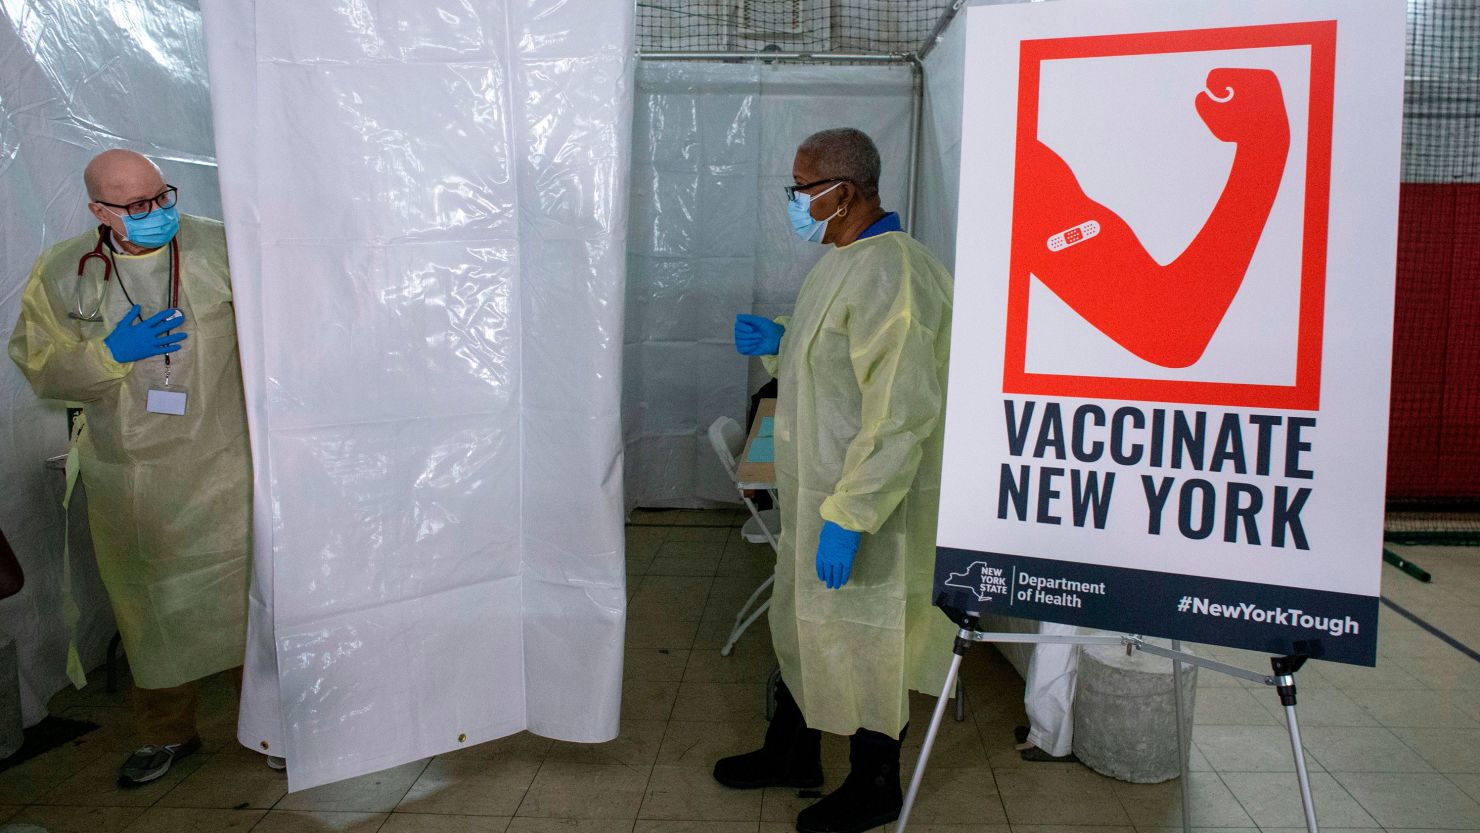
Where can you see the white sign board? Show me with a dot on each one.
(1173, 319)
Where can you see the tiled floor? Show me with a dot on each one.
(1396, 747)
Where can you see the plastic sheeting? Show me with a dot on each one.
(939, 186)
(77, 77)
(713, 145)
(426, 216)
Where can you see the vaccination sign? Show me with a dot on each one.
(1173, 319)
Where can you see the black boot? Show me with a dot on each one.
(869, 797)
(791, 756)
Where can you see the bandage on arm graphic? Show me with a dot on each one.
(1091, 258)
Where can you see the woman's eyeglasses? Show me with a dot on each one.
(791, 190)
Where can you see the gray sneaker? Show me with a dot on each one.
(150, 763)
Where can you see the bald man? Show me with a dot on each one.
(132, 321)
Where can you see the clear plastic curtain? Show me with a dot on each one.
(426, 218)
(712, 149)
(77, 77)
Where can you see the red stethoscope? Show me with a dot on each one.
(103, 251)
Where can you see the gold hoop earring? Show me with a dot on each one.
(842, 212)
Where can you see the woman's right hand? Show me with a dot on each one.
(756, 335)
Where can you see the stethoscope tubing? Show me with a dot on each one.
(103, 250)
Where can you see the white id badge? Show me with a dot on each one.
(166, 402)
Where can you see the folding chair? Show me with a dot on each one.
(728, 440)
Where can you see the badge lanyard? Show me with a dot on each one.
(174, 296)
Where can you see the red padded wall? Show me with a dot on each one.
(1434, 450)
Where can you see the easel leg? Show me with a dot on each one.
(1182, 745)
(963, 642)
(1284, 672)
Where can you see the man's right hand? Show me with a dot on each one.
(133, 339)
(757, 336)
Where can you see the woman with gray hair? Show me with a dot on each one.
(861, 366)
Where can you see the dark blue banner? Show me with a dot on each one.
(1262, 617)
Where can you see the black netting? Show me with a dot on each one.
(853, 26)
(1441, 114)
(1434, 452)
(1430, 524)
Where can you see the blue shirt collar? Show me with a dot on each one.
(887, 223)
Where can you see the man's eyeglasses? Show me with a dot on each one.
(139, 208)
(791, 190)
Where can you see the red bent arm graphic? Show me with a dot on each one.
(1092, 259)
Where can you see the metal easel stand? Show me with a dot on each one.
(1283, 681)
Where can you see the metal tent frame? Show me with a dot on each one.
(915, 59)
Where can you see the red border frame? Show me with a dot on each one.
(1320, 36)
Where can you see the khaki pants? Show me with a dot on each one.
(165, 716)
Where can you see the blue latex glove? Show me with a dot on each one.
(836, 547)
(133, 339)
(757, 335)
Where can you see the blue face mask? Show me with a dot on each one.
(799, 210)
(154, 229)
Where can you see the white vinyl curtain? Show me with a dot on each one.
(425, 205)
(76, 77)
(940, 142)
(712, 149)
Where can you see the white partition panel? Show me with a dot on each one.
(425, 205)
